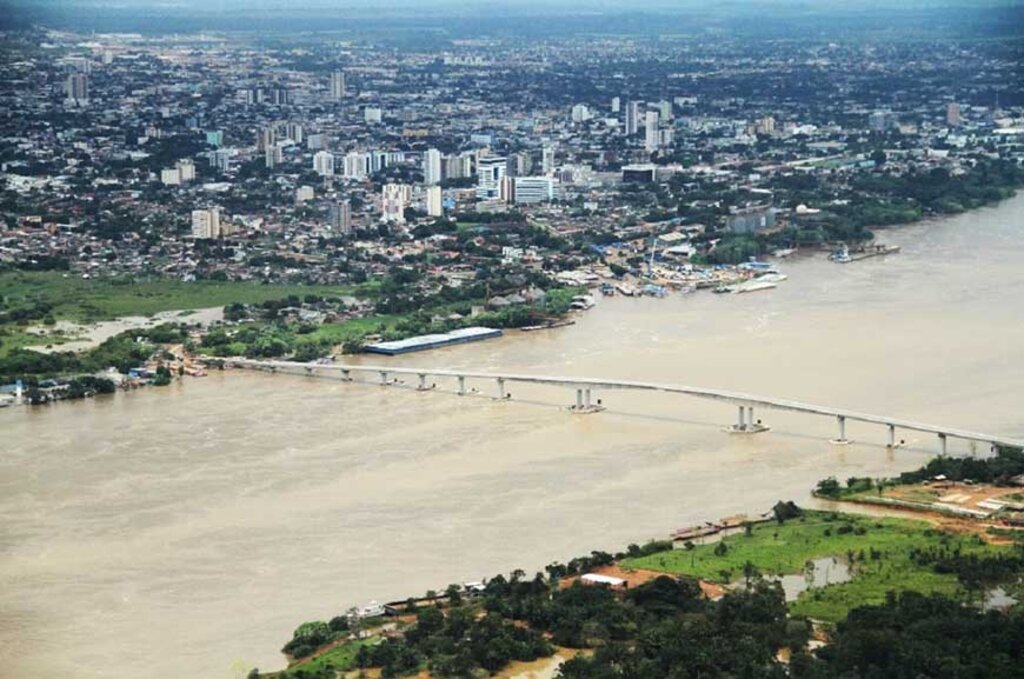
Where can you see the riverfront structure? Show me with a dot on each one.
(745, 423)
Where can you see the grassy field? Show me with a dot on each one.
(881, 557)
(79, 299)
(338, 658)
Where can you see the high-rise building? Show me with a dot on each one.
(490, 170)
(953, 114)
(523, 164)
(315, 142)
(458, 167)
(580, 113)
(304, 193)
(665, 110)
(206, 223)
(170, 176)
(293, 132)
(323, 163)
(186, 170)
(267, 137)
(274, 156)
(435, 204)
(432, 167)
(651, 138)
(373, 115)
(881, 121)
(535, 189)
(632, 117)
(548, 160)
(394, 198)
(214, 137)
(76, 88)
(337, 86)
(339, 216)
(357, 165)
(616, 104)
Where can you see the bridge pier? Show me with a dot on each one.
(346, 375)
(943, 447)
(892, 436)
(501, 388)
(579, 399)
(383, 378)
(586, 398)
(841, 440)
(423, 382)
(462, 385)
(745, 423)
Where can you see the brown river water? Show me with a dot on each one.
(185, 531)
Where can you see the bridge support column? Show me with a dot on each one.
(579, 399)
(462, 385)
(423, 382)
(501, 388)
(943, 447)
(841, 439)
(741, 424)
(750, 418)
(383, 378)
(346, 375)
(586, 398)
(892, 436)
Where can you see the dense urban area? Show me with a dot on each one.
(334, 192)
(178, 200)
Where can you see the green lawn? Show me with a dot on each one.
(81, 299)
(782, 549)
(338, 658)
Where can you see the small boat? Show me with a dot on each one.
(582, 302)
(547, 326)
(754, 286)
(841, 255)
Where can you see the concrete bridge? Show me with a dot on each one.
(585, 403)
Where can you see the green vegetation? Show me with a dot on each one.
(123, 351)
(884, 554)
(911, 635)
(97, 299)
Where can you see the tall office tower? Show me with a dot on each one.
(490, 170)
(651, 132)
(580, 113)
(435, 205)
(665, 109)
(337, 86)
(76, 88)
(293, 132)
(616, 104)
(339, 215)
(206, 223)
(394, 198)
(548, 160)
(323, 163)
(186, 170)
(373, 115)
(432, 167)
(357, 165)
(953, 114)
(457, 167)
(632, 117)
(507, 190)
(274, 156)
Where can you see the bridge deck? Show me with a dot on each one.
(733, 397)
